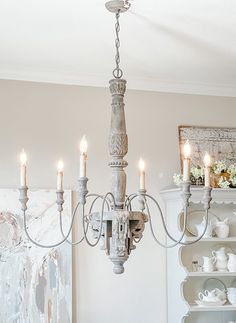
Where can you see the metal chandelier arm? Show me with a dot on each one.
(206, 202)
(202, 235)
(100, 223)
(179, 241)
(72, 243)
(155, 237)
(75, 243)
(145, 205)
(186, 196)
(41, 245)
(60, 201)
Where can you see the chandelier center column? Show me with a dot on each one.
(118, 142)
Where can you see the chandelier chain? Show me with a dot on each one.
(117, 72)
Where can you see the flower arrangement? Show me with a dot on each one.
(222, 176)
(196, 176)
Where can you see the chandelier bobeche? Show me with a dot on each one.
(116, 223)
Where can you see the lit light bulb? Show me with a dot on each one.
(207, 176)
(60, 165)
(23, 158)
(23, 161)
(83, 156)
(187, 149)
(83, 145)
(141, 165)
(207, 160)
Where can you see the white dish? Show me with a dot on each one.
(210, 304)
(212, 283)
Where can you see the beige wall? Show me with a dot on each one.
(48, 120)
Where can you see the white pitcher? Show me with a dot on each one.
(231, 262)
(222, 228)
(208, 264)
(200, 228)
(221, 259)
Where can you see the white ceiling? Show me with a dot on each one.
(184, 46)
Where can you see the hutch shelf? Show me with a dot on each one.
(185, 282)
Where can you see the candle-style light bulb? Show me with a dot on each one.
(186, 161)
(83, 145)
(83, 156)
(60, 167)
(141, 165)
(23, 161)
(187, 149)
(207, 160)
(23, 158)
(207, 163)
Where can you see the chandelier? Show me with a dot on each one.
(116, 224)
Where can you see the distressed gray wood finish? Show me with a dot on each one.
(118, 142)
(120, 227)
(120, 230)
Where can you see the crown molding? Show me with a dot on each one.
(101, 80)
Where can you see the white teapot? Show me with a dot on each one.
(209, 296)
(221, 259)
(222, 228)
(221, 294)
(231, 262)
(200, 228)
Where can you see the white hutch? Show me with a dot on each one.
(184, 283)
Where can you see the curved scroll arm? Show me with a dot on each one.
(176, 241)
(179, 241)
(74, 243)
(100, 223)
(51, 245)
(127, 204)
(24, 199)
